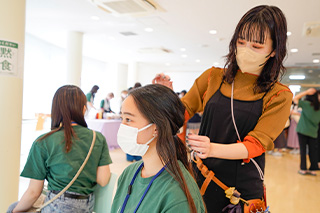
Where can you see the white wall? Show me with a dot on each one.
(182, 80)
(46, 67)
(44, 72)
(95, 72)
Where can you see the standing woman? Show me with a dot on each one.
(57, 156)
(90, 96)
(307, 129)
(161, 181)
(245, 107)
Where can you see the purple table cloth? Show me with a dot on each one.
(108, 128)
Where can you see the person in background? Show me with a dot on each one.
(182, 93)
(162, 181)
(57, 156)
(307, 129)
(137, 85)
(319, 146)
(105, 103)
(293, 139)
(90, 96)
(124, 94)
(244, 107)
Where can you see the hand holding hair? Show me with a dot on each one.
(200, 144)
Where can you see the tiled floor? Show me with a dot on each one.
(287, 191)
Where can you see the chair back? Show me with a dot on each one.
(104, 196)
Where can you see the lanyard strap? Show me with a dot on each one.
(145, 192)
(235, 126)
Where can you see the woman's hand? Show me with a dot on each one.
(200, 144)
(311, 91)
(163, 80)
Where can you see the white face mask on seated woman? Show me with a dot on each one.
(127, 140)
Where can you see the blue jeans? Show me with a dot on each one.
(64, 204)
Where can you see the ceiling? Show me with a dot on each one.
(176, 24)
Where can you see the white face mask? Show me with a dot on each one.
(250, 61)
(127, 140)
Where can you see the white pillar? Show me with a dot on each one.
(74, 58)
(12, 22)
(132, 74)
(122, 78)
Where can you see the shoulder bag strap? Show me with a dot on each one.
(75, 177)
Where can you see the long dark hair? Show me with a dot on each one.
(67, 105)
(94, 90)
(161, 106)
(314, 100)
(253, 26)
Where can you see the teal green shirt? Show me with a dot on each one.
(309, 120)
(164, 195)
(89, 97)
(48, 160)
(102, 103)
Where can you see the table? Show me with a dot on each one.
(108, 128)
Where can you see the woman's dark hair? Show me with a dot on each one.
(94, 90)
(161, 106)
(67, 106)
(254, 26)
(314, 100)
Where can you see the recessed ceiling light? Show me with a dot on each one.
(96, 18)
(316, 61)
(183, 49)
(289, 33)
(294, 50)
(213, 32)
(215, 63)
(297, 77)
(184, 56)
(148, 29)
(198, 60)
(168, 64)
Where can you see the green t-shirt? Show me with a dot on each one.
(309, 120)
(164, 195)
(102, 103)
(48, 160)
(89, 97)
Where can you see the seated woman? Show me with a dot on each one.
(162, 181)
(57, 156)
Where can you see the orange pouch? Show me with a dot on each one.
(253, 206)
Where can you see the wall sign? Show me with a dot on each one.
(8, 57)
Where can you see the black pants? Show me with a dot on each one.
(319, 145)
(313, 152)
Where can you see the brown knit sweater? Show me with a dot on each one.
(276, 104)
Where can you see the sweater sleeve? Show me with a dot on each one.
(193, 100)
(271, 123)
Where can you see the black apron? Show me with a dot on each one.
(218, 126)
